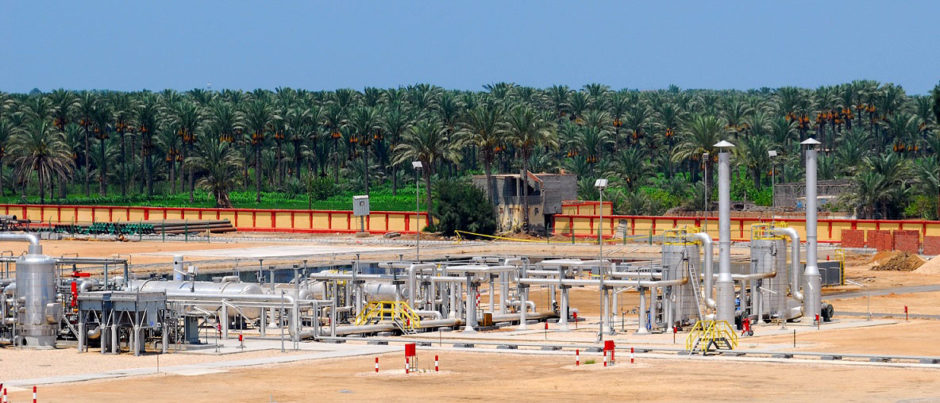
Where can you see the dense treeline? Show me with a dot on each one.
(64, 144)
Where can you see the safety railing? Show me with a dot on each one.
(397, 311)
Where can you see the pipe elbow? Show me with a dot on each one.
(34, 247)
(707, 242)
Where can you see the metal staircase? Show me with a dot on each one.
(397, 312)
(708, 334)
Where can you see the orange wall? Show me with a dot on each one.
(264, 220)
(827, 230)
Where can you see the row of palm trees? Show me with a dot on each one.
(146, 142)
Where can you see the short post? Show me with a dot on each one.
(407, 365)
(241, 341)
(794, 338)
(546, 329)
(34, 393)
(574, 315)
(376, 364)
(577, 357)
(817, 321)
(632, 356)
(436, 368)
(610, 346)
(905, 313)
(605, 358)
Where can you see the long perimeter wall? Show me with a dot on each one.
(259, 220)
(828, 230)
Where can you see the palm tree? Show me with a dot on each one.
(528, 129)
(428, 142)
(187, 117)
(216, 159)
(148, 113)
(699, 136)
(6, 132)
(483, 127)
(631, 165)
(42, 149)
(365, 123)
(258, 119)
(123, 108)
(397, 121)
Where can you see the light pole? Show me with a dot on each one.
(705, 178)
(417, 165)
(601, 184)
(773, 182)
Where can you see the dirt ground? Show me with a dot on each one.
(924, 303)
(479, 376)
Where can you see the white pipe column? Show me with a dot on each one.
(471, 305)
(725, 284)
(812, 293)
(642, 319)
(563, 312)
(706, 241)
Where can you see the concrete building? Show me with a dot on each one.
(546, 193)
(790, 196)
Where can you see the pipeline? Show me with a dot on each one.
(794, 260)
(706, 241)
(34, 247)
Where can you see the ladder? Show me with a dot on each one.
(694, 283)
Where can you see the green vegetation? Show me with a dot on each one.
(296, 149)
(461, 206)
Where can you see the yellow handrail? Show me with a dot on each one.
(396, 311)
(707, 332)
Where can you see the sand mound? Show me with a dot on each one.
(884, 256)
(901, 261)
(931, 267)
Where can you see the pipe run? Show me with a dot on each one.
(34, 247)
(706, 241)
(794, 259)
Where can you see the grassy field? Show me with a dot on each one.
(379, 200)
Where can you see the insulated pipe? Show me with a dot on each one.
(612, 283)
(725, 285)
(642, 319)
(811, 302)
(794, 259)
(34, 247)
(706, 241)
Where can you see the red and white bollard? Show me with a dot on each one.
(34, 394)
(4, 395)
(632, 355)
(605, 358)
(905, 313)
(436, 368)
(577, 357)
(376, 364)
(407, 365)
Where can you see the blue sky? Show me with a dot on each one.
(327, 45)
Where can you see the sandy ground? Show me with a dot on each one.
(68, 361)
(917, 337)
(925, 303)
(478, 376)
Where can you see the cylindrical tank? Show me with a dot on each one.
(679, 301)
(37, 320)
(382, 291)
(204, 287)
(769, 295)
